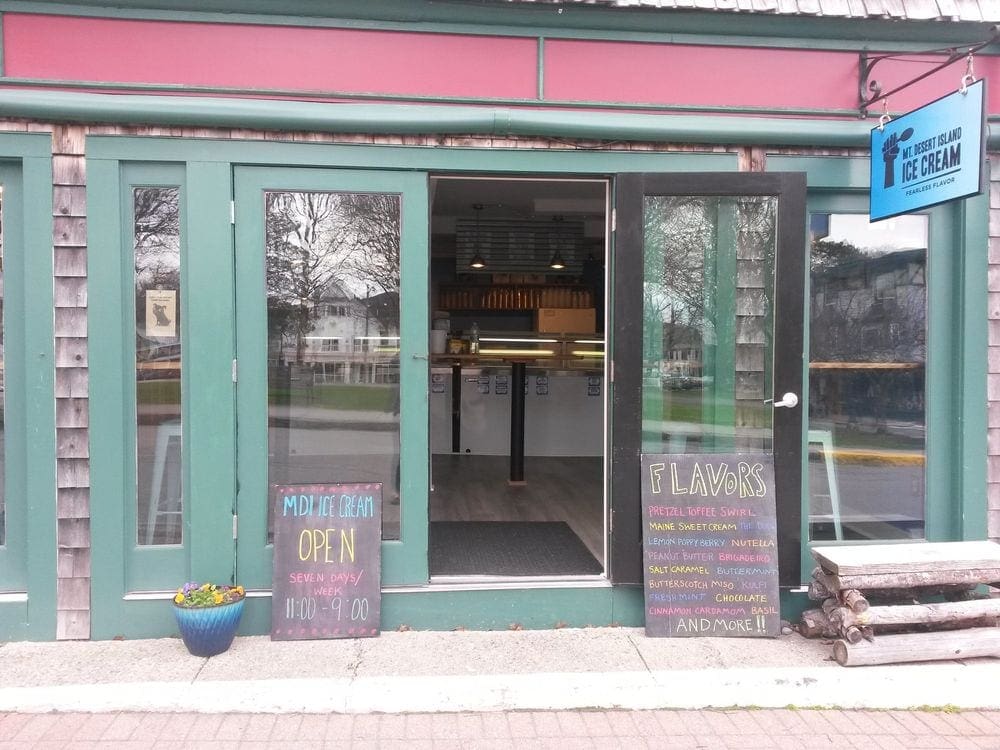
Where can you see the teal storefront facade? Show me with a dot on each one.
(140, 444)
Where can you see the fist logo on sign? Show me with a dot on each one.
(890, 150)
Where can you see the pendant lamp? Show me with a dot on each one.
(557, 263)
(477, 261)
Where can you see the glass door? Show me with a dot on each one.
(331, 301)
(712, 266)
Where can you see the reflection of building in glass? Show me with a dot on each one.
(682, 355)
(873, 305)
(346, 340)
(868, 354)
(868, 338)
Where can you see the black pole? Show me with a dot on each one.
(517, 423)
(456, 408)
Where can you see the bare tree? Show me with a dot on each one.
(320, 242)
(156, 236)
(683, 238)
(157, 256)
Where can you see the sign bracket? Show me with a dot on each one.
(866, 65)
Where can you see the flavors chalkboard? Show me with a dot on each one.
(709, 543)
(327, 543)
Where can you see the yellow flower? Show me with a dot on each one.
(218, 598)
(179, 598)
(205, 586)
(239, 590)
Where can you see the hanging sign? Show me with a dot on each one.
(929, 156)
(710, 548)
(327, 541)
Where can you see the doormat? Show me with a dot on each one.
(508, 548)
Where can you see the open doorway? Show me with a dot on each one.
(518, 379)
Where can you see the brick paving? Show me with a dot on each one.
(549, 730)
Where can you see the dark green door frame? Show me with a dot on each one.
(131, 581)
(404, 561)
(790, 188)
(956, 344)
(208, 171)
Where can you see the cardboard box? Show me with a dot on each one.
(565, 320)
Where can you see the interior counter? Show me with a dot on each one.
(564, 411)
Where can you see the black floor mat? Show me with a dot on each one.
(508, 548)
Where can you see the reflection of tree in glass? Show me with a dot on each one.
(156, 227)
(682, 237)
(157, 251)
(677, 232)
(340, 244)
(867, 307)
(831, 253)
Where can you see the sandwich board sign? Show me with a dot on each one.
(710, 544)
(327, 561)
(931, 155)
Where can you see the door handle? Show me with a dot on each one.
(788, 401)
(420, 356)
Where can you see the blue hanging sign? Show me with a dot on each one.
(930, 155)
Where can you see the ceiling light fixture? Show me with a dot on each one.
(477, 261)
(557, 263)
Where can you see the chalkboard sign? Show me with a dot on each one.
(327, 579)
(709, 543)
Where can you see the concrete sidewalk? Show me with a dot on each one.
(405, 672)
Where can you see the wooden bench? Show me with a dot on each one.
(960, 622)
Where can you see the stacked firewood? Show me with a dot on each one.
(903, 615)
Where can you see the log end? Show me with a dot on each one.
(840, 652)
(853, 634)
(815, 624)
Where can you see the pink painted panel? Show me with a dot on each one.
(627, 72)
(481, 67)
(278, 57)
(585, 70)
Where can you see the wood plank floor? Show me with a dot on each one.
(475, 488)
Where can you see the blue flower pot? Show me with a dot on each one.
(208, 631)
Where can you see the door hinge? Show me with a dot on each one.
(232, 212)
(236, 525)
(236, 370)
(614, 219)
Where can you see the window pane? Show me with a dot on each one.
(867, 362)
(708, 281)
(3, 394)
(157, 249)
(333, 342)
